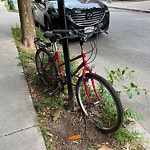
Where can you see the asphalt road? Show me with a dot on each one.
(127, 45)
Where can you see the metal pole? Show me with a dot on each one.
(63, 25)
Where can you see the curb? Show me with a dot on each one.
(131, 9)
(145, 135)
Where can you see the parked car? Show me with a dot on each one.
(79, 15)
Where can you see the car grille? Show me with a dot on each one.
(82, 18)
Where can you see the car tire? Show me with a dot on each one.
(48, 26)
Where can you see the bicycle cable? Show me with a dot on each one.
(94, 47)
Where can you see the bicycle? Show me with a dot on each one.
(96, 97)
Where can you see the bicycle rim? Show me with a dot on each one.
(104, 108)
(47, 69)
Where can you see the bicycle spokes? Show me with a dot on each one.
(47, 69)
(99, 101)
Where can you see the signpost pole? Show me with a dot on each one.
(63, 25)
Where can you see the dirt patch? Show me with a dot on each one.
(73, 123)
(66, 124)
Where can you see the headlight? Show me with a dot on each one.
(77, 11)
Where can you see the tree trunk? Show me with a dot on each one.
(27, 24)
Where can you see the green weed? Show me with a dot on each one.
(124, 137)
(49, 145)
(121, 77)
(16, 31)
(50, 102)
(118, 76)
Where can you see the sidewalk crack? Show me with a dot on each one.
(5, 135)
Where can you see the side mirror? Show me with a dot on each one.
(41, 2)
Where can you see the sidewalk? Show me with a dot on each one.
(18, 125)
(143, 6)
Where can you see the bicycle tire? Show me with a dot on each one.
(50, 74)
(106, 111)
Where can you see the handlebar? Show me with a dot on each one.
(61, 31)
(67, 34)
(61, 35)
(57, 33)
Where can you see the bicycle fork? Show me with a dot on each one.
(86, 68)
(87, 90)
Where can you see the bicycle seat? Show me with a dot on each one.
(53, 37)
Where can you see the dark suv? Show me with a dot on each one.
(79, 15)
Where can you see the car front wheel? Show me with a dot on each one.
(48, 26)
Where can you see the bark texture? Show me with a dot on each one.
(27, 24)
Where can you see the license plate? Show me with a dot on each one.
(88, 29)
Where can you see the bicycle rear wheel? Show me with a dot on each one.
(104, 108)
(47, 69)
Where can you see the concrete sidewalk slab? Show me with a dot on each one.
(23, 140)
(17, 111)
(18, 124)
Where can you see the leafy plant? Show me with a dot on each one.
(49, 145)
(50, 102)
(16, 31)
(25, 56)
(122, 77)
(118, 76)
(124, 136)
(130, 113)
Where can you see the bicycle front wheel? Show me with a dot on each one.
(99, 102)
(47, 69)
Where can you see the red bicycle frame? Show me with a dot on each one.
(84, 64)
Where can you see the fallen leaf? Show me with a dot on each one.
(105, 148)
(56, 114)
(131, 121)
(49, 134)
(128, 146)
(75, 142)
(74, 137)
